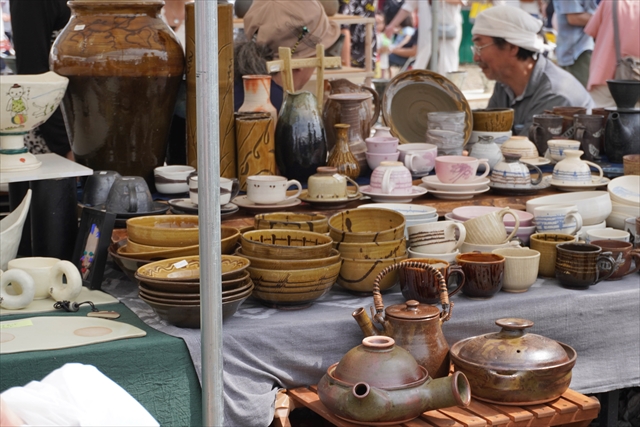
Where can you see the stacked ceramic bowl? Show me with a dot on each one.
(368, 240)
(625, 200)
(413, 214)
(290, 268)
(292, 220)
(172, 288)
(525, 229)
(381, 149)
(446, 130)
(522, 146)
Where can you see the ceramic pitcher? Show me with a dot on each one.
(512, 173)
(572, 170)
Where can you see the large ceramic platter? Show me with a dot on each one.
(411, 95)
(416, 191)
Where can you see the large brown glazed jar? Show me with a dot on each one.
(124, 66)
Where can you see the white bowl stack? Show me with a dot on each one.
(625, 200)
(413, 214)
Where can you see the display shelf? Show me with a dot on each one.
(53, 167)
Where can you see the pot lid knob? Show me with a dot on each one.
(413, 310)
(514, 323)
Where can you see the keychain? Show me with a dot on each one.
(73, 307)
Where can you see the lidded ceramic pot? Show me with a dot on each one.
(573, 170)
(487, 148)
(512, 367)
(512, 173)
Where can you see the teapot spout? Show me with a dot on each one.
(453, 390)
(365, 322)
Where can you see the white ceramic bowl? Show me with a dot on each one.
(172, 179)
(465, 213)
(450, 217)
(381, 144)
(593, 206)
(582, 234)
(608, 234)
(616, 221)
(524, 233)
(557, 147)
(629, 211)
(374, 159)
(625, 190)
(520, 145)
(498, 137)
(449, 257)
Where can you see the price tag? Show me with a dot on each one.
(16, 324)
(78, 27)
(181, 264)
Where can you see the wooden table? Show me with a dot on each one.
(571, 409)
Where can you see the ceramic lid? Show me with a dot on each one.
(412, 310)
(513, 348)
(379, 363)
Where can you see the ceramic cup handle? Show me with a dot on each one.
(386, 182)
(463, 234)
(577, 218)
(506, 211)
(356, 193)
(60, 291)
(538, 171)
(298, 185)
(635, 254)
(455, 270)
(487, 167)
(133, 198)
(605, 263)
(235, 188)
(593, 165)
(18, 279)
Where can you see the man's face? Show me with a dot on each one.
(489, 57)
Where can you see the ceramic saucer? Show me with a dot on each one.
(458, 195)
(328, 203)
(540, 161)
(416, 191)
(186, 206)
(158, 208)
(520, 191)
(433, 183)
(596, 182)
(249, 206)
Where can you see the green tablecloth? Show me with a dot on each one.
(156, 369)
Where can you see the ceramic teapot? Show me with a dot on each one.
(573, 170)
(622, 134)
(379, 383)
(415, 327)
(487, 148)
(512, 173)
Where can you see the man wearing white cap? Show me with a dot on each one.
(507, 47)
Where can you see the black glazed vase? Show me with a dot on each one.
(301, 145)
(622, 134)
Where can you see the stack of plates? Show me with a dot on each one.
(625, 200)
(455, 191)
(413, 214)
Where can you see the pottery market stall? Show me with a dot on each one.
(267, 349)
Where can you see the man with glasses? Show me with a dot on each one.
(508, 48)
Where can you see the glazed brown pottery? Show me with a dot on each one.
(622, 253)
(567, 114)
(546, 243)
(493, 119)
(379, 383)
(341, 157)
(292, 220)
(124, 66)
(484, 273)
(580, 265)
(545, 127)
(512, 367)
(418, 284)
(255, 142)
(415, 327)
(590, 132)
(631, 164)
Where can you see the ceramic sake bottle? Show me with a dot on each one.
(341, 157)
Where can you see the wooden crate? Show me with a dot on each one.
(571, 409)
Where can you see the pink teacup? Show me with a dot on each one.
(381, 144)
(459, 169)
(391, 178)
(374, 159)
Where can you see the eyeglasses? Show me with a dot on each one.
(477, 50)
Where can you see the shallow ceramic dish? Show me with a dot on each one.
(544, 184)
(433, 183)
(465, 213)
(290, 220)
(372, 250)
(329, 203)
(128, 265)
(596, 183)
(285, 244)
(593, 206)
(164, 230)
(411, 95)
(625, 190)
(366, 225)
(416, 191)
(458, 195)
(156, 255)
(187, 269)
(249, 206)
(290, 264)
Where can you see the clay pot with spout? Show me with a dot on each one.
(622, 134)
(415, 327)
(379, 383)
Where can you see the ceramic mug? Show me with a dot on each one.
(21, 292)
(420, 285)
(192, 180)
(436, 237)
(608, 234)
(489, 229)
(484, 274)
(172, 179)
(557, 147)
(270, 189)
(229, 188)
(622, 253)
(580, 265)
(546, 244)
(630, 227)
(328, 184)
(520, 268)
(419, 158)
(459, 169)
(96, 188)
(48, 277)
(589, 130)
(563, 219)
(129, 194)
(544, 128)
(391, 178)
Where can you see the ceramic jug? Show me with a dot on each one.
(341, 157)
(622, 134)
(415, 327)
(512, 173)
(300, 136)
(486, 148)
(572, 170)
(125, 66)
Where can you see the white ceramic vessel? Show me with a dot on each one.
(593, 206)
(520, 268)
(572, 170)
(11, 231)
(391, 178)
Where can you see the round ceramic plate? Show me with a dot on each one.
(596, 182)
(411, 95)
(188, 207)
(249, 206)
(520, 191)
(540, 161)
(416, 191)
(458, 195)
(158, 209)
(328, 203)
(433, 183)
(409, 211)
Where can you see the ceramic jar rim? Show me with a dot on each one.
(615, 245)
(480, 258)
(580, 248)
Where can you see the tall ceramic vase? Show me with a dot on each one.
(256, 146)
(300, 137)
(124, 66)
(257, 92)
(341, 157)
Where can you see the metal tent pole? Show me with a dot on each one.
(435, 37)
(208, 135)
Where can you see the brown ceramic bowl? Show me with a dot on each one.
(373, 250)
(357, 275)
(292, 221)
(187, 269)
(164, 230)
(243, 287)
(283, 300)
(631, 164)
(285, 244)
(291, 280)
(493, 119)
(229, 236)
(291, 264)
(483, 272)
(366, 225)
(158, 253)
(128, 265)
(169, 286)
